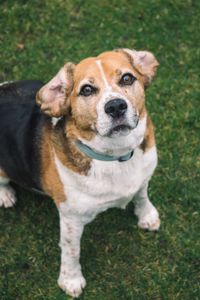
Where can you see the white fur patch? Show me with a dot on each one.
(5, 82)
(108, 184)
(3, 181)
(99, 64)
(70, 279)
(7, 196)
(148, 217)
(72, 286)
(55, 120)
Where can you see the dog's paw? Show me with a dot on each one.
(7, 196)
(150, 220)
(73, 287)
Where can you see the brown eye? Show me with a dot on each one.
(87, 90)
(127, 79)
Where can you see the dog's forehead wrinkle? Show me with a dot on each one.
(118, 72)
(91, 80)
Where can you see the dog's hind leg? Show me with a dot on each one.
(7, 194)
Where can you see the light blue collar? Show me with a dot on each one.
(99, 156)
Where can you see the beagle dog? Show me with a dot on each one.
(87, 142)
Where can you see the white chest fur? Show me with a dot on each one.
(108, 184)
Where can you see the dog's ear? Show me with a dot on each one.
(53, 96)
(144, 61)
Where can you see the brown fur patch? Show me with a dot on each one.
(149, 137)
(55, 142)
(63, 139)
(51, 183)
(3, 174)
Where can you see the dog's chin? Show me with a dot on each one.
(119, 130)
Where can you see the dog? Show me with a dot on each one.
(86, 140)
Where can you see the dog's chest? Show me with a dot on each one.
(108, 184)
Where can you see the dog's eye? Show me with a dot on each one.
(87, 90)
(127, 79)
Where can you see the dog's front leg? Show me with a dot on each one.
(148, 217)
(71, 279)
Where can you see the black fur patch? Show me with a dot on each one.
(21, 123)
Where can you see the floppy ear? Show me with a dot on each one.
(53, 96)
(144, 61)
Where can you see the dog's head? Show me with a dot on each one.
(104, 94)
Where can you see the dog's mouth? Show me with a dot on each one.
(117, 128)
(120, 129)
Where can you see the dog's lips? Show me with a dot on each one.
(121, 127)
(118, 127)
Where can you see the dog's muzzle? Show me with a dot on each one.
(117, 110)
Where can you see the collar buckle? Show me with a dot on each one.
(126, 157)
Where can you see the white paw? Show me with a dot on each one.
(7, 196)
(150, 220)
(73, 287)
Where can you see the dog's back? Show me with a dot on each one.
(20, 124)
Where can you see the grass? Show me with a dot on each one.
(119, 260)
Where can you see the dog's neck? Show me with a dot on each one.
(102, 156)
(65, 136)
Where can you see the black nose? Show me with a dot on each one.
(116, 108)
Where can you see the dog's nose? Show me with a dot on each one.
(116, 108)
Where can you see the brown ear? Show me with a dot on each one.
(53, 96)
(144, 61)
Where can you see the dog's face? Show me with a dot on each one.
(104, 94)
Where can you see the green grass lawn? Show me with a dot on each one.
(120, 262)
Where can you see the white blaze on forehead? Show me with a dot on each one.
(99, 64)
